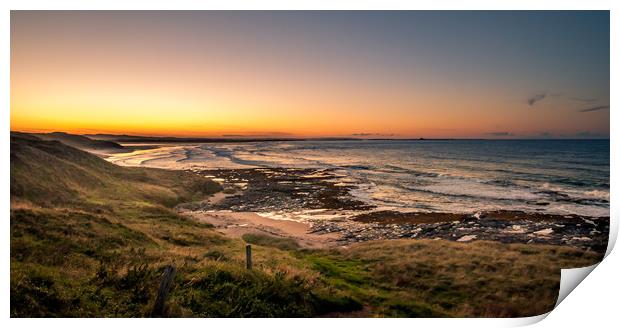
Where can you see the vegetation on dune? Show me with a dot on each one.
(82, 142)
(91, 239)
(444, 278)
(49, 173)
(66, 263)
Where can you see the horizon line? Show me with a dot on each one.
(177, 138)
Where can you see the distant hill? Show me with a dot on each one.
(84, 143)
(110, 137)
(146, 139)
(47, 171)
(224, 138)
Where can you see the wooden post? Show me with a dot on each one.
(248, 257)
(162, 292)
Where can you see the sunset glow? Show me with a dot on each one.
(376, 74)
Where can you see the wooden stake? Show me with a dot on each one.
(248, 257)
(162, 292)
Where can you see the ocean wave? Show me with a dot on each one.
(444, 176)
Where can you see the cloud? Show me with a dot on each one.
(258, 134)
(368, 134)
(587, 100)
(594, 109)
(544, 95)
(500, 134)
(536, 98)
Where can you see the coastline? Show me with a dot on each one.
(317, 208)
(340, 221)
(589, 234)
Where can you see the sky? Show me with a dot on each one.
(393, 74)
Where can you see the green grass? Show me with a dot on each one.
(90, 239)
(442, 278)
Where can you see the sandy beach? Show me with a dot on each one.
(236, 224)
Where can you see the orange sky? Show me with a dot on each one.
(209, 74)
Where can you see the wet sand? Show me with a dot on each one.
(236, 224)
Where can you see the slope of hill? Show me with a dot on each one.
(84, 143)
(52, 173)
(91, 239)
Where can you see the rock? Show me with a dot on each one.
(544, 232)
(515, 229)
(467, 238)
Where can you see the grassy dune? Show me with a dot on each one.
(90, 239)
(82, 142)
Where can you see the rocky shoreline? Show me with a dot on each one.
(297, 190)
(506, 227)
(282, 189)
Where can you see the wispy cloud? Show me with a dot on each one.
(544, 95)
(594, 109)
(587, 100)
(258, 134)
(536, 98)
(500, 134)
(369, 134)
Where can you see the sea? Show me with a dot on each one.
(568, 177)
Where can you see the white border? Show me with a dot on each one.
(594, 303)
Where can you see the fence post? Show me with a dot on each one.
(162, 292)
(248, 257)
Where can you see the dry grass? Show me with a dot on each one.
(471, 279)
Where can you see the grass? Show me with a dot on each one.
(270, 241)
(90, 239)
(443, 278)
(51, 174)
